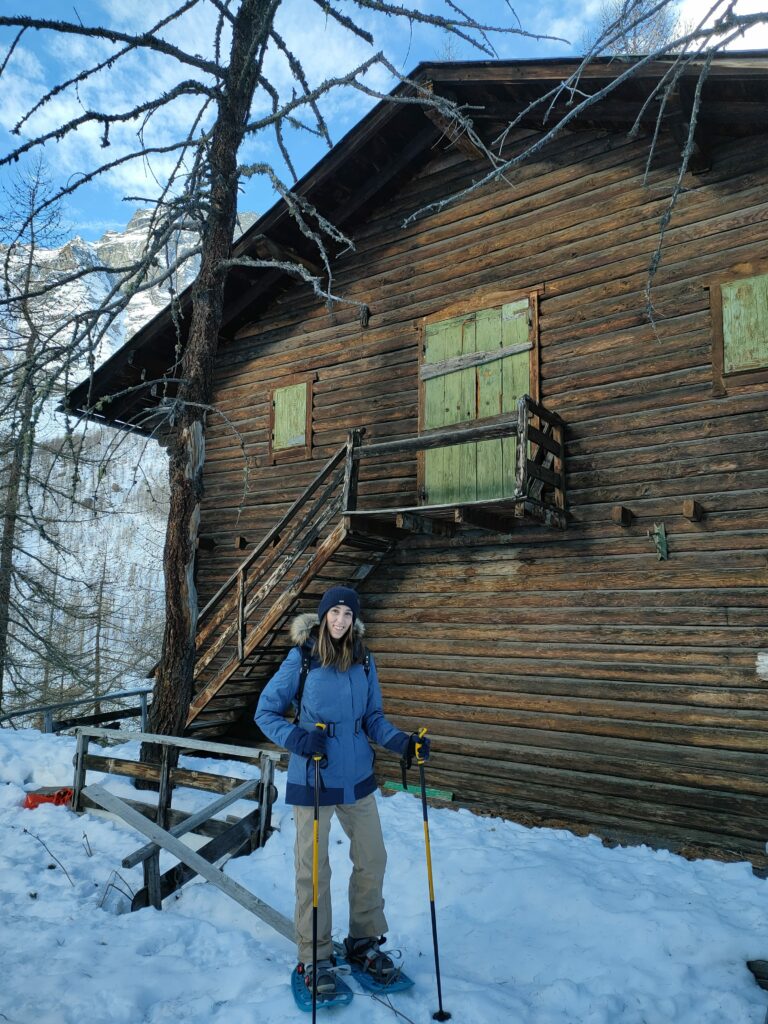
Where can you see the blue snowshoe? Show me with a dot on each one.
(372, 967)
(331, 990)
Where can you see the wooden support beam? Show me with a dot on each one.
(361, 523)
(210, 829)
(546, 441)
(207, 781)
(548, 476)
(480, 520)
(415, 523)
(678, 118)
(693, 510)
(234, 841)
(621, 515)
(429, 370)
(499, 426)
(267, 249)
(453, 130)
(230, 750)
(182, 852)
(191, 822)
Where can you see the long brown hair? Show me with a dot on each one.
(337, 653)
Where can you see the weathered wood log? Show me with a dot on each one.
(211, 828)
(234, 840)
(187, 856)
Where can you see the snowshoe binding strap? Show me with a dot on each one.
(326, 977)
(368, 956)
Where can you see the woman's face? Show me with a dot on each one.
(339, 619)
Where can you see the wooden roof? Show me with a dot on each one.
(387, 145)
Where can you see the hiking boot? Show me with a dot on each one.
(367, 955)
(326, 978)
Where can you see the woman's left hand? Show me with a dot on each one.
(410, 752)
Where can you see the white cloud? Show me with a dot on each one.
(695, 12)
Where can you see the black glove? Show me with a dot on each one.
(410, 750)
(307, 742)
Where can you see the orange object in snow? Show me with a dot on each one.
(48, 796)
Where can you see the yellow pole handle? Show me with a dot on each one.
(417, 749)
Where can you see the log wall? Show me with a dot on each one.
(569, 678)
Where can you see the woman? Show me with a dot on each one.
(341, 691)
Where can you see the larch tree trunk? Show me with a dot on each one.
(174, 681)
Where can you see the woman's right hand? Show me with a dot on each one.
(307, 742)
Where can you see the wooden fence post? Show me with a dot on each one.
(521, 470)
(558, 433)
(151, 865)
(267, 768)
(81, 754)
(144, 713)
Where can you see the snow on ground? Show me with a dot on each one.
(536, 926)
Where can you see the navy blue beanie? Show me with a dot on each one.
(345, 596)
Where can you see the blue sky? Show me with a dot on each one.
(324, 48)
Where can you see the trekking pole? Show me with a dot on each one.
(317, 758)
(440, 1013)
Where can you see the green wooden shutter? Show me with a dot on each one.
(745, 324)
(290, 417)
(473, 472)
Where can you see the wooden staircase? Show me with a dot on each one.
(323, 539)
(243, 630)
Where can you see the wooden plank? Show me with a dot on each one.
(289, 403)
(162, 838)
(517, 322)
(490, 402)
(479, 358)
(232, 750)
(745, 324)
(542, 473)
(233, 841)
(502, 427)
(461, 398)
(207, 781)
(437, 347)
(415, 523)
(194, 821)
(210, 828)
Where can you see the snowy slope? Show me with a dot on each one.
(536, 926)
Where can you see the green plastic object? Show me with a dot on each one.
(438, 794)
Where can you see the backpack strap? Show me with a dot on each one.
(306, 660)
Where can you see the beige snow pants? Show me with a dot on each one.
(361, 823)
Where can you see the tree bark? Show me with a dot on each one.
(174, 683)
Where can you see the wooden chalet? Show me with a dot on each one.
(555, 509)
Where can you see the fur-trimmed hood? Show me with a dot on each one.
(304, 625)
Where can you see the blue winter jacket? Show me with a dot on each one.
(349, 703)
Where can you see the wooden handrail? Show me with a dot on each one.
(274, 533)
(500, 427)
